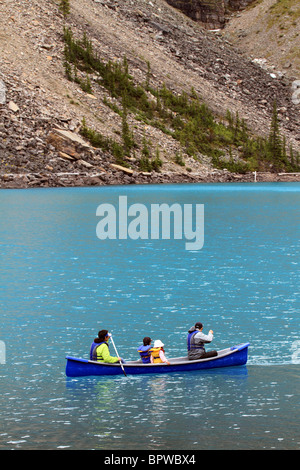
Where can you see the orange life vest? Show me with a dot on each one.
(155, 354)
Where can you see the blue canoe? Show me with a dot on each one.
(234, 356)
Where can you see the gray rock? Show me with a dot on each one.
(2, 92)
(296, 96)
(295, 84)
(296, 92)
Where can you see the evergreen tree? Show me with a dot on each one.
(64, 6)
(127, 135)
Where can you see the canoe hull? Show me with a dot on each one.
(234, 356)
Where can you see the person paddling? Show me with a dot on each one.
(99, 350)
(196, 340)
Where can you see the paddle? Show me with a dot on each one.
(117, 354)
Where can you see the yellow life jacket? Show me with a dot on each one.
(155, 354)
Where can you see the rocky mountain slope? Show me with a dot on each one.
(269, 30)
(41, 111)
(210, 13)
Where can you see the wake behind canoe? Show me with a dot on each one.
(234, 356)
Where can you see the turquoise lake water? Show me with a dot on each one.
(60, 284)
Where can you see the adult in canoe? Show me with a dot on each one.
(99, 350)
(196, 340)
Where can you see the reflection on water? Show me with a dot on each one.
(150, 408)
(246, 407)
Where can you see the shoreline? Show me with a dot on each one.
(122, 177)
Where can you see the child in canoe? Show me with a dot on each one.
(158, 353)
